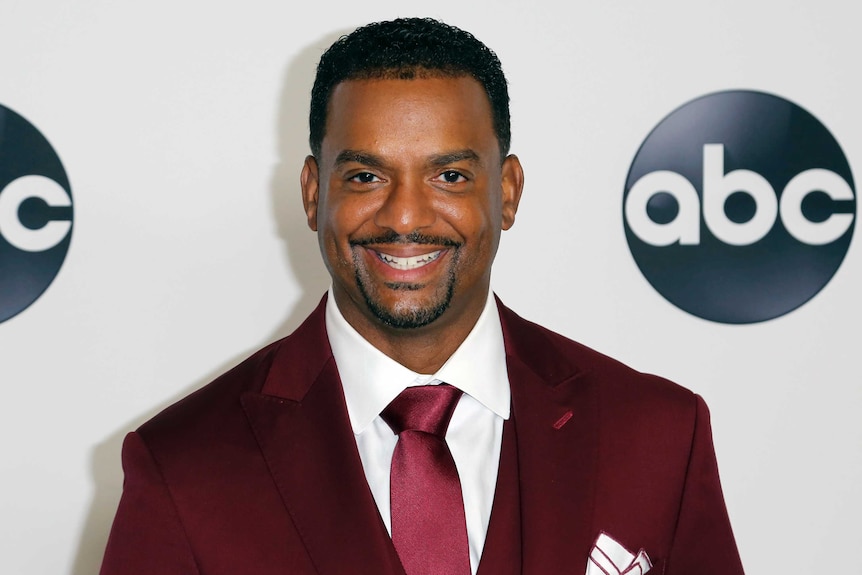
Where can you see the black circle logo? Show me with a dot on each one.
(739, 207)
(35, 214)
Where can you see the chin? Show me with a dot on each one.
(407, 314)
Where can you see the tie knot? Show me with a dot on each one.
(427, 408)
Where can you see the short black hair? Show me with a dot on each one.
(408, 48)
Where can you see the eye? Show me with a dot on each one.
(363, 178)
(452, 177)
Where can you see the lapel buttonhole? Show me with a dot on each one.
(563, 420)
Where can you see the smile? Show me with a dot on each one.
(410, 263)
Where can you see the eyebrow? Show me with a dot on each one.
(359, 157)
(440, 160)
(437, 160)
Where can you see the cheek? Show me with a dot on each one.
(337, 223)
(340, 222)
(331, 236)
(474, 219)
(350, 215)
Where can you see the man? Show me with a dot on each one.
(540, 456)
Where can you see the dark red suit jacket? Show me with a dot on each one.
(258, 472)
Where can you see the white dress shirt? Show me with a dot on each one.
(371, 380)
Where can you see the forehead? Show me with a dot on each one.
(373, 113)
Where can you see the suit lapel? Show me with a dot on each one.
(556, 417)
(301, 424)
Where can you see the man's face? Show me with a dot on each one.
(409, 198)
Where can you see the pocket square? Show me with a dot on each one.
(608, 557)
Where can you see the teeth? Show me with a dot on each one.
(409, 263)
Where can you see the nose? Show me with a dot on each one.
(408, 207)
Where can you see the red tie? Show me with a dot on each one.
(428, 526)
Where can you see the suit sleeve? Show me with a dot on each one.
(147, 537)
(703, 543)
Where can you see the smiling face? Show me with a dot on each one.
(409, 196)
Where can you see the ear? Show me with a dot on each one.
(310, 183)
(513, 184)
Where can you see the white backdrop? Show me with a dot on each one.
(182, 126)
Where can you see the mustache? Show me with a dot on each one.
(392, 237)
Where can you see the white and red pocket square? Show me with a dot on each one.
(609, 557)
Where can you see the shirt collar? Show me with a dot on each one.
(371, 379)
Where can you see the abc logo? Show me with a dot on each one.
(35, 214)
(739, 207)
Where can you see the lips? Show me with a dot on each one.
(408, 263)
